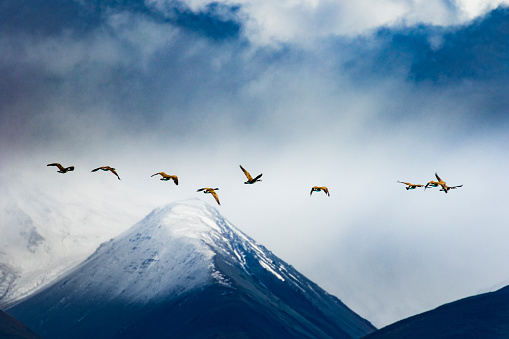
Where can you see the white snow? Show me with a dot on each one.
(40, 241)
(167, 253)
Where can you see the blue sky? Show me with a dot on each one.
(351, 96)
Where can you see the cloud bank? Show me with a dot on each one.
(305, 92)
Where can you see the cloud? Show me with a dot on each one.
(197, 89)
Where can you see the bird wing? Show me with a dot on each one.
(248, 176)
(60, 167)
(431, 183)
(95, 170)
(326, 191)
(215, 196)
(112, 170)
(155, 174)
(175, 179)
(258, 177)
(406, 183)
(201, 189)
(438, 178)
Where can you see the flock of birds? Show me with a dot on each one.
(250, 180)
(166, 177)
(432, 183)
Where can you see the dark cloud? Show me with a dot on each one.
(468, 63)
(475, 51)
(479, 51)
(44, 18)
(151, 86)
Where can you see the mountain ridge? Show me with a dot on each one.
(484, 316)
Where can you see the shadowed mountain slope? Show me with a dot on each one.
(10, 328)
(482, 316)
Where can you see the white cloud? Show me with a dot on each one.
(303, 21)
(145, 98)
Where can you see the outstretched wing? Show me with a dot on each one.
(438, 178)
(155, 174)
(431, 183)
(215, 196)
(406, 183)
(175, 179)
(98, 168)
(326, 190)
(201, 189)
(248, 176)
(258, 177)
(112, 170)
(60, 167)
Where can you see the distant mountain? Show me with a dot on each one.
(39, 241)
(10, 328)
(483, 316)
(186, 272)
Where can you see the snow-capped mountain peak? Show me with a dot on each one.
(171, 251)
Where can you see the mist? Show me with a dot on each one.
(144, 91)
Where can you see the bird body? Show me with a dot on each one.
(250, 179)
(166, 177)
(107, 168)
(62, 169)
(318, 189)
(410, 186)
(211, 191)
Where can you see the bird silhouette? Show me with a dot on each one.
(318, 189)
(410, 186)
(211, 191)
(62, 169)
(250, 179)
(106, 168)
(166, 177)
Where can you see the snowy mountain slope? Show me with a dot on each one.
(185, 271)
(43, 235)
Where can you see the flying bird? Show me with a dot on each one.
(318, 189)
(451, 188)
(441, 183)
(166, 177)
(410, 186)
(211, 191)
(62, 169)
(433, 183)
(250, 179)
(107, 168)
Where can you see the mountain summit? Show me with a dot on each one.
(186, 272)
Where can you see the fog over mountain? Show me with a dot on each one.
(352, 96)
